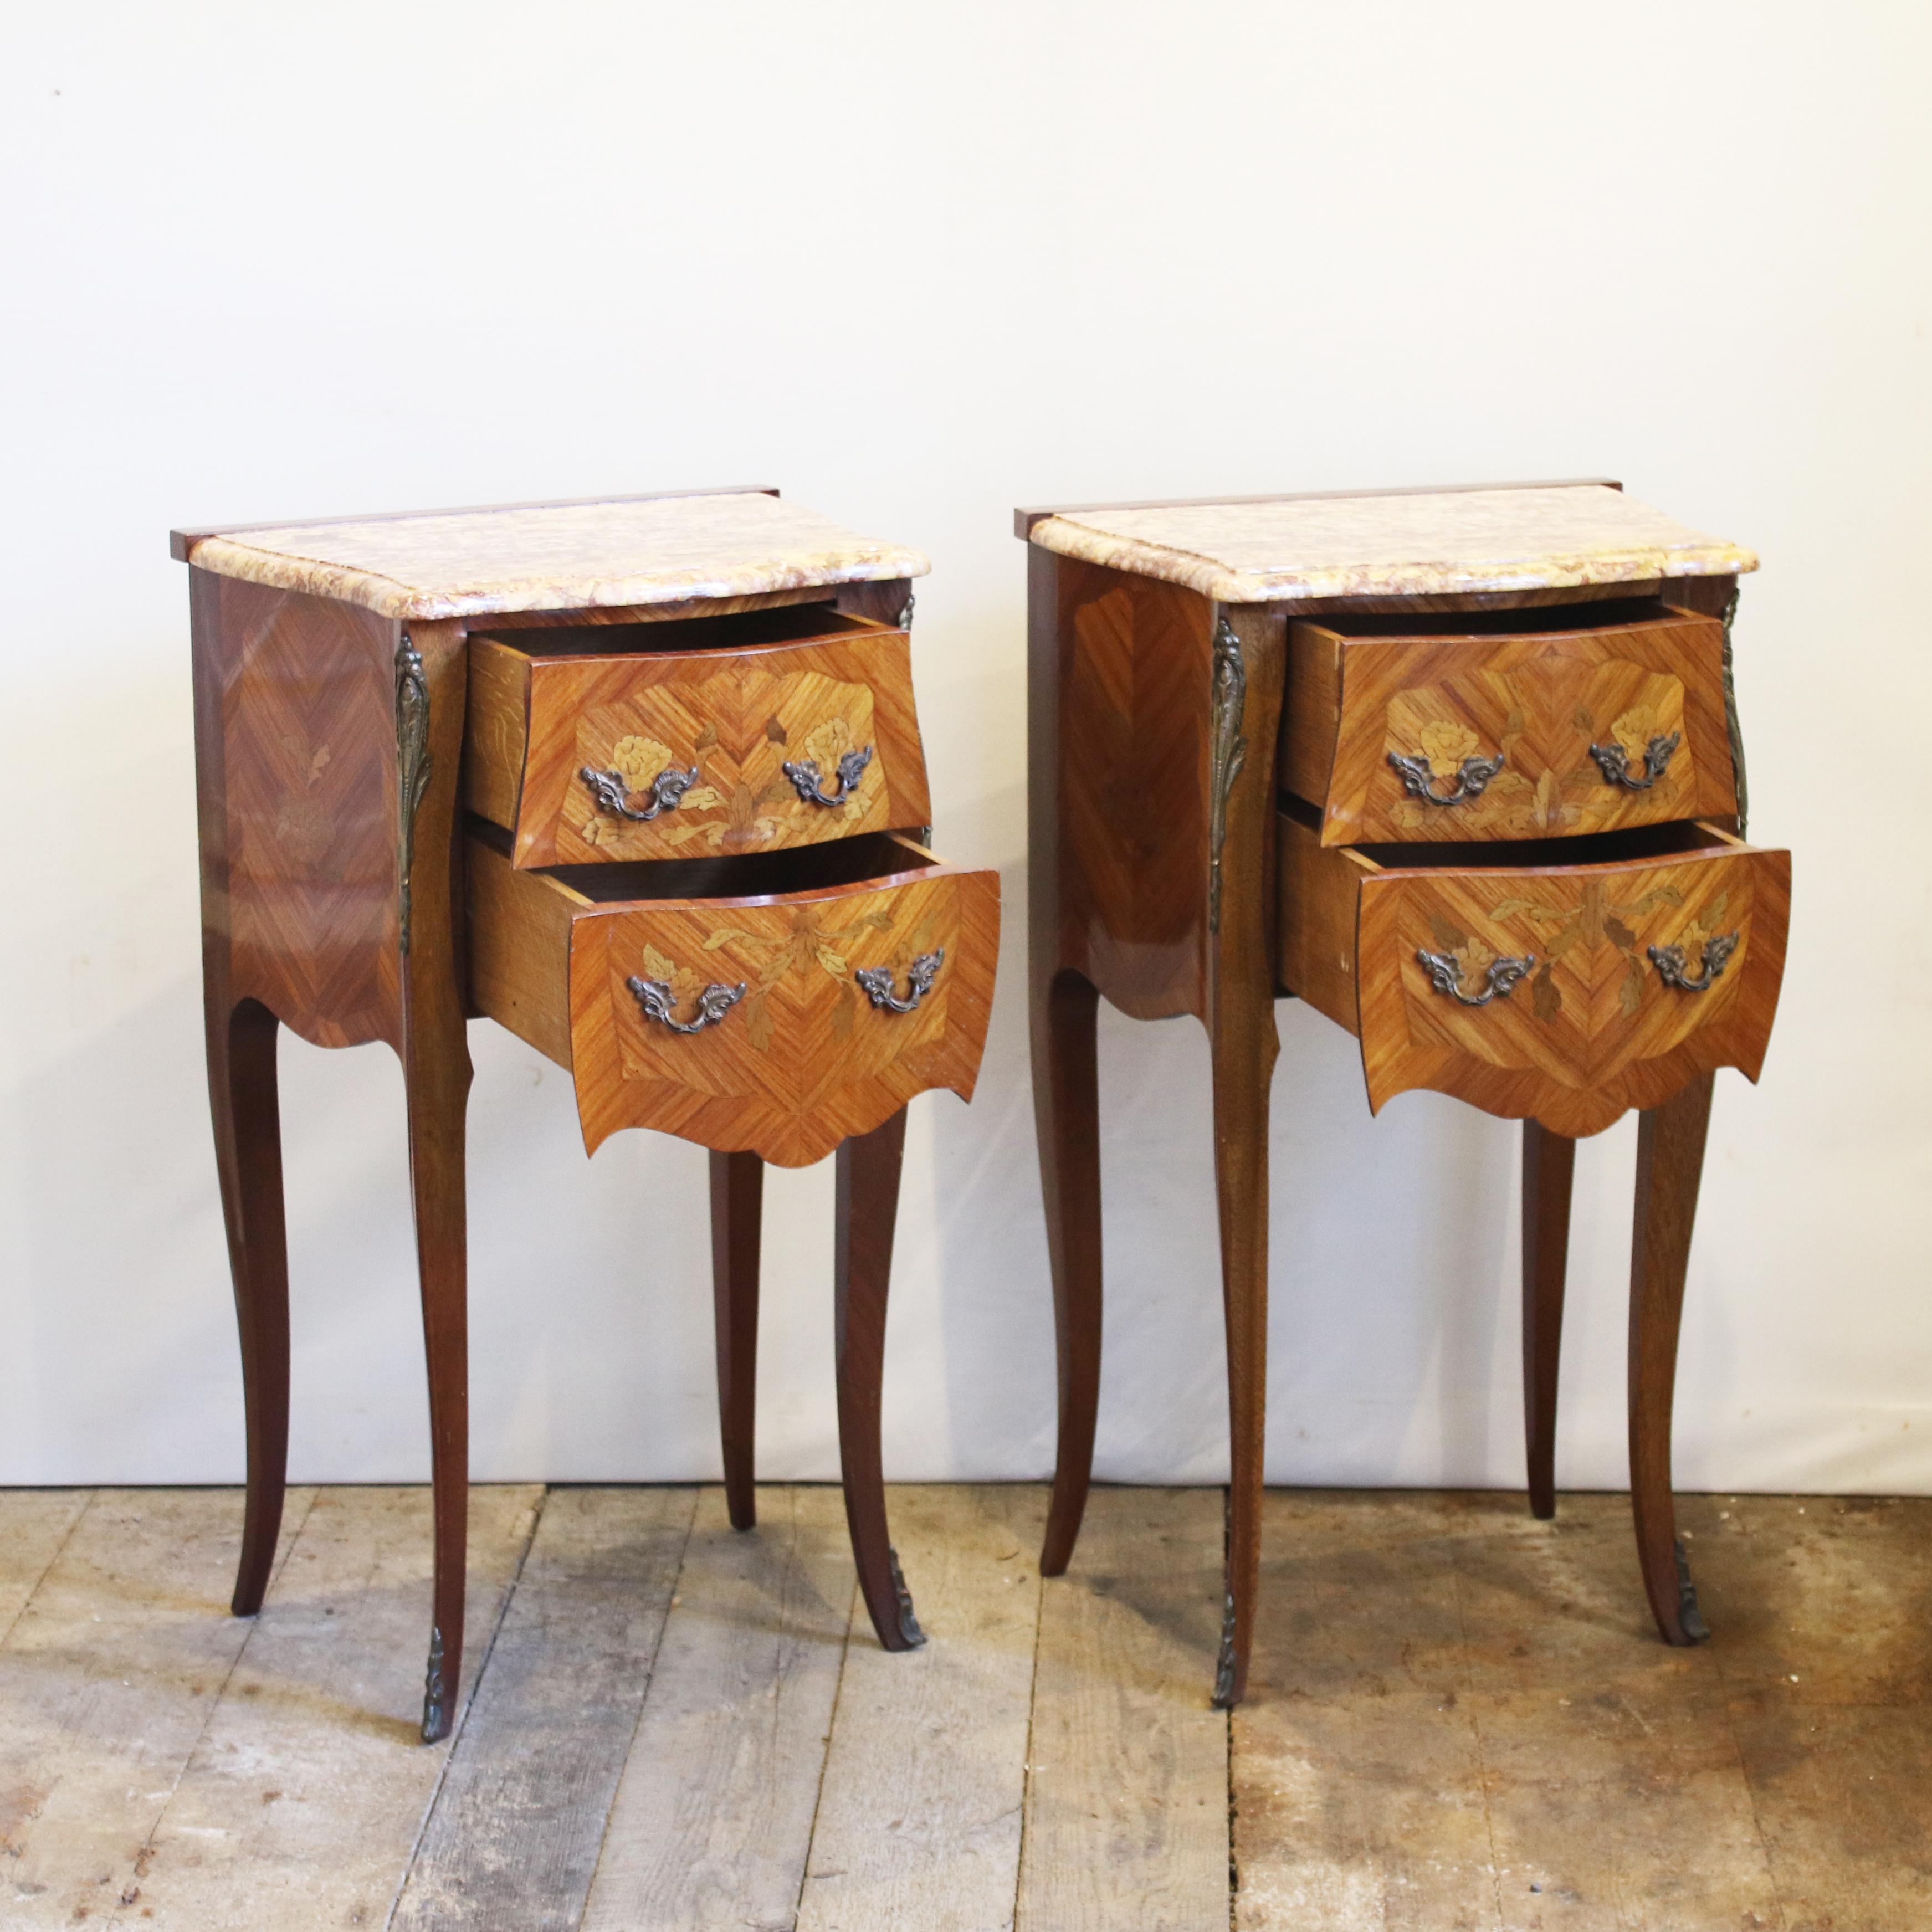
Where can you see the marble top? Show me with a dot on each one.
(561, 557)
(1439, 541)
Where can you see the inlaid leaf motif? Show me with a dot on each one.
(1581, 719)
(701, 798)
(842, 1014)
(1619, 935)
(1630, 994)
(1451, 937)
(724, 935)
(776, 732)
(758, 1019)
(707, 739)
(833, 962)
(656, 966)
(1566, 936)
(1545, 997)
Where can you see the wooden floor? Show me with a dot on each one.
(1459, 1718)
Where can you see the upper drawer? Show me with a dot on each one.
(1567, 992)
(674, 740)
(1497, 726)
(778, 1004)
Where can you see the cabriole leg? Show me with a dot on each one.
(1670, 1164)
(1548, 1164)
(737, 1201)
(868, 1205)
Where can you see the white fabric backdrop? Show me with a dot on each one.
(917, 264)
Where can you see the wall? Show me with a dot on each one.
(918, 266)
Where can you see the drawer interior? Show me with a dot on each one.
(1602, 614)
(731, 630)
(798, 869)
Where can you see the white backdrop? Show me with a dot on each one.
(917, 264)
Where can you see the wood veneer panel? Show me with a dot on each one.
(1539, 699)
(519, 927)
(295, 743)
(738, 715)
(1594, 1031)
(804, 1060)
(1136, 668)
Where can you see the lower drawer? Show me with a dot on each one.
(775, 1004)
(1568, 992)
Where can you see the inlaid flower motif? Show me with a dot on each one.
(1446, 744)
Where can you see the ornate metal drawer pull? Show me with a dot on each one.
(660, 1003)
(1673, 969)
(612, 794)
(1614, 762)
(1445, 975)
(1472, 778)
(877, 982)
(804, 775)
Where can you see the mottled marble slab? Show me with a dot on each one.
(1430, 543)
(565, 556)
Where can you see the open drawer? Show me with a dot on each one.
(776, 1004)
(749, 731)
(1528, 723)
(1566, 980)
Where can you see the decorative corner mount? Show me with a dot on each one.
(1228, 702)
(1731, 726)
(1224, 1664)
(436, 1692)
(413, 765)
(909, 1629)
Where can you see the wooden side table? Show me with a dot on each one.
(640, 779)
(1462, 770)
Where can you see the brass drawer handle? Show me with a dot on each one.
(659, 1003)
(877, 982)
(1674, 970)
(805, 777)
(1614, 762)
(1445, 975)
(1472, 778)
(613, 795)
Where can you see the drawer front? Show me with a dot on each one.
(1508, 736)
(781, 1024)
(817, 1016)
(685, 754)
(1566, 994)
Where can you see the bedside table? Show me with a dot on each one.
(641, 780)
(1462, 770)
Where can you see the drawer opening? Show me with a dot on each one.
(1527, 855)
(733, 630)
(1606, 613)
(799, 869)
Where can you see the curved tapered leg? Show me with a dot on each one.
(1548, 1164)
(1244, 1049)
(436, 1078)
(248, 1158)
(868, 1205)
(1067, 1110)
(737, 1201)
(1670, 1164)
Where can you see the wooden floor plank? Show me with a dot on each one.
(1357, 1772)
(1126, 1810)
(108, 1679)
(713, 1820)
(513, 1837)
(307, 1792)
(34, 1524)
(918, 1823)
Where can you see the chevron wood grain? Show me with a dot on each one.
(736, 714)
(298, 801)
(1133, 786)
(1537, 697)
(1594, 1030)
(804, 1059)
